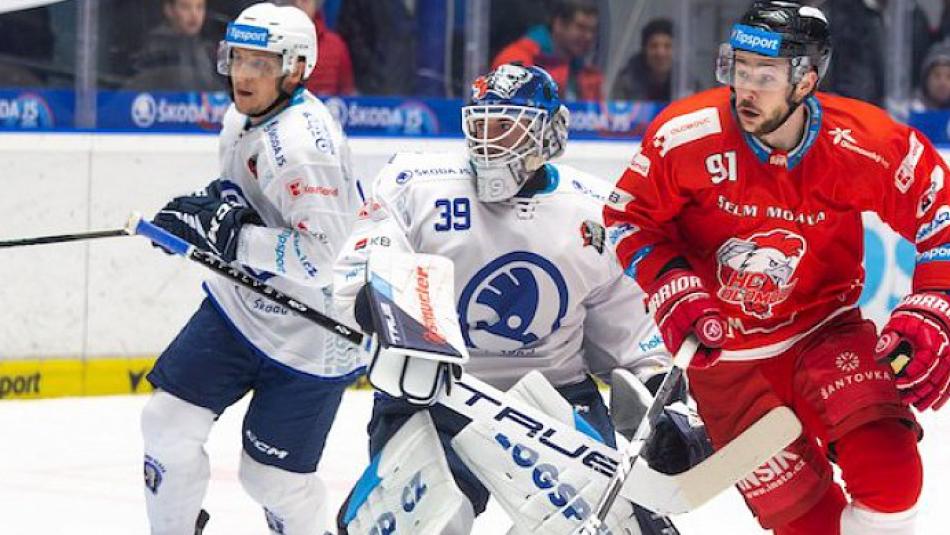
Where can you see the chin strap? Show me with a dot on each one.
(282, 98)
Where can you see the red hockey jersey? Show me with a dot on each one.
(777, 236)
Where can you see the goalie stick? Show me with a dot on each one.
(476, 400)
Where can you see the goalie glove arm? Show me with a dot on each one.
(349, 270)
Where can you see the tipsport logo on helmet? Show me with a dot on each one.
(755, 40)
(242, 34)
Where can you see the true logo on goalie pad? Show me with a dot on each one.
(547, 437)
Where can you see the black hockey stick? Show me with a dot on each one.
(61, 238)
(176, 245)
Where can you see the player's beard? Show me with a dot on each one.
(772, 122)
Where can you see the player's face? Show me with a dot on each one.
(762, 89)
(186, 16)
(255, 76)
(504, 133)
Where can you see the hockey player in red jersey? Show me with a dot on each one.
(741, 217)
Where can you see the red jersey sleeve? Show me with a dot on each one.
(916, 204)
(641, 209)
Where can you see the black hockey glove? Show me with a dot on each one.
(207, 222)
(679, 439)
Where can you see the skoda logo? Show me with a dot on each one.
(337, 108)
(144, 110)
(512, 303)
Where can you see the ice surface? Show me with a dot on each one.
(73, 466)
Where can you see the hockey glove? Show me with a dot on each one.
(679, 439)
(418, 380)
(207, 222)
(916, 344)
(681, 305)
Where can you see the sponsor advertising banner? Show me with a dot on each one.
(197, 112)
(25, 110)
(58, 377)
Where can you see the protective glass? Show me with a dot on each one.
(771, 76)
(255, 66)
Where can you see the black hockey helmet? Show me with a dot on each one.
(780, 29)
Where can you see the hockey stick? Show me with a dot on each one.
(62, 238)
(663, 396)
(476, 400)
(176, 245)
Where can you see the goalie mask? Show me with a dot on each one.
(514, 123)
(776, 29)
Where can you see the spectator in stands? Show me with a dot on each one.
(931, 24)
(174, 56)
(858, 41)
(381, 35)
(648, 74)
(26, 49)
(562, 48)
(334, 72)
(934, 91)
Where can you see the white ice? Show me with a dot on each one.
(73, 466)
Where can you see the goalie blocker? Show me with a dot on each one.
(408, 305)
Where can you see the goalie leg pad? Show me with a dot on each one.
(176, 465)
(408, 488)
(542, 496)
(542, 491)
(389, 415)
(294, 503)
(578, 405)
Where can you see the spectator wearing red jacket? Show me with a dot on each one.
(334, 72)
(561, 49)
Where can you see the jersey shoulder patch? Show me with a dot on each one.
(688, 120)
(686, 128)
(416, 171)
(868, 134)
(301, 135)
(575, 181)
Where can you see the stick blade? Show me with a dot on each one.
(681, 493)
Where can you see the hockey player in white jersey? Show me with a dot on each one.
(535, 290)
(281, 210)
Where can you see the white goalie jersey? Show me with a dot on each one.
(536, 286)
(294, 170)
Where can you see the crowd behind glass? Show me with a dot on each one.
(595, 49)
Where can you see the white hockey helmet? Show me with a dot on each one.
(283, 30)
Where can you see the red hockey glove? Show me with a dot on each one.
(916, 344)
(681, 305)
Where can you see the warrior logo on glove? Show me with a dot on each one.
(756, 273)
